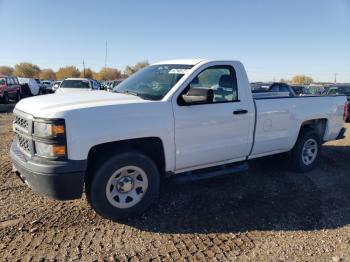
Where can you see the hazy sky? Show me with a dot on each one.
(274, 39)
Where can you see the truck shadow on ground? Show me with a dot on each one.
(267, 197)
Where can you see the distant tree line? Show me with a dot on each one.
(33, 71)
(299, 80)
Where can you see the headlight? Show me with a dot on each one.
(50, 138)
(51, 151)
(48, 129)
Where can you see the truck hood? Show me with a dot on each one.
(49, 105)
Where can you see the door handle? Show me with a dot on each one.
(240, 111)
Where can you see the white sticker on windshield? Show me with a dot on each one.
(178, 71)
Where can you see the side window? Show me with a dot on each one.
(9, 81)
(15, 80)
(221, 80)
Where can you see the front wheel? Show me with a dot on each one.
(5, 98)
(123, 186)
(306, 151)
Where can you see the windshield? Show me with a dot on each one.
(75, 84)
(2, 81)
(153, 82)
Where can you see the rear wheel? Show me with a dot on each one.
(306, 151)
(123, 186)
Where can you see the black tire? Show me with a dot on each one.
(96, 185)
(25, 90)
(5, 98)
(298, 164)
(18, 96)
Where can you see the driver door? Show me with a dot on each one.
(215, 131)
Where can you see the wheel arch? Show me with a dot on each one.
(151, 146)
(319, 125)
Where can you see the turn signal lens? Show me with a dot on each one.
(59, 150)
(57, 130)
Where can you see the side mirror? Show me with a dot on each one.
(198, 96)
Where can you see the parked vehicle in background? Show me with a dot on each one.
(47, 86)
(316, 89)
(9, 88)
(259, 86)
(197, 118)
(301, 90)
(41, 90)
(112, 84)
(282, 87)
(347, 112)
(341, 90)
(117, 81)
(109, 85)
(298, 90)
(56, 85)
(29, 86)
(338, 90)
(103, 85)
(77, 85)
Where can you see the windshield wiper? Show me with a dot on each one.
(132, 93)
(128, 92)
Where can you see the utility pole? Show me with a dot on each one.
(335, 78)
(106, 55)
(83, 68)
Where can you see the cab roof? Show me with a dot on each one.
(180, 62)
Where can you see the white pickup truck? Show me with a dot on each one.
(194, 117)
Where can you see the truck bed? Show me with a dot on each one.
(278, 120)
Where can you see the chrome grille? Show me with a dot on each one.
(21, 122)
(22, 126)
(23, 143)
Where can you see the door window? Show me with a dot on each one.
(220, 79)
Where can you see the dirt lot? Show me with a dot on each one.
(266, 214)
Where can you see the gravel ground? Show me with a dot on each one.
(266, 214)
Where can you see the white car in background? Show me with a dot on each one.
(47, 86)
(77, 84)
(56, 85)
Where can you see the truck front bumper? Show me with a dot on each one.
(62, 180)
